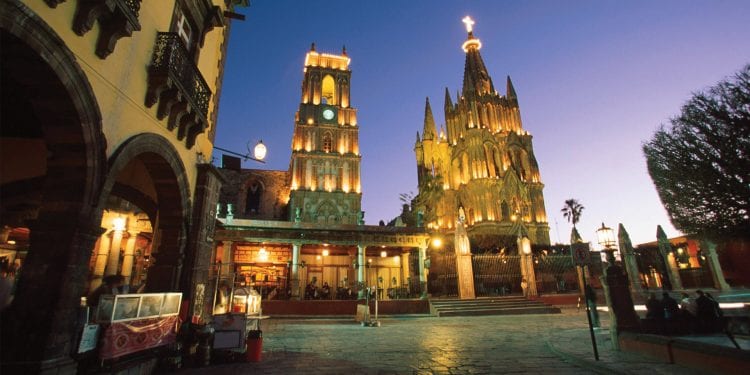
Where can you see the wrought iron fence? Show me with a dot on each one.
(496, 274)
(500, 275)
(556, 274)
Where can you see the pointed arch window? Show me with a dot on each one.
(328, 90)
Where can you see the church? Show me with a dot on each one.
(483, 161)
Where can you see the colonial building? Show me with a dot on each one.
(108, 117)
(283, 230)
(482, 162)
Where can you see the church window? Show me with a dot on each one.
(254, 192)
(328, 91)
(327, 144)
(505, 211)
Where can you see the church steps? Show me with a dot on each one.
(490, 306)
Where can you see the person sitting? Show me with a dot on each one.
(654, 308)
(706, 314)
(671, 308)
(325, 291)
(688, 307)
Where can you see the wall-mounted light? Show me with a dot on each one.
(383, 254)
(118, 223)
(326, 252)
(262, 255)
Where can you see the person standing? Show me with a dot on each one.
(524, 287)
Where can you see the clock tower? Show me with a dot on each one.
(325, 164)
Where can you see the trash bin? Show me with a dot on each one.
(254, 345)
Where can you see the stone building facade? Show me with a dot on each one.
(483, 162)
(109, 111)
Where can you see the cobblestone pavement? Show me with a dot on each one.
(556, 343)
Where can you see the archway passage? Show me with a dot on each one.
(52, 149)
(147, 177)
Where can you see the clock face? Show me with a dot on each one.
(328, 114)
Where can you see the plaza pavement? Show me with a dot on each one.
(534, 344)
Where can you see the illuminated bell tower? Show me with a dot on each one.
(325, 164)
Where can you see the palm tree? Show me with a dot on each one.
(572, 211)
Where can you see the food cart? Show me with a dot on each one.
(231, 328)
(136, 322)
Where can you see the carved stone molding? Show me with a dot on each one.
(117, 19)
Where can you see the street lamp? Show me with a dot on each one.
(606, 238)
(258, 152)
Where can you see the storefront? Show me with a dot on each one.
(287, 260)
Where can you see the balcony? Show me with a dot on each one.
(178, 86)
(117, 18)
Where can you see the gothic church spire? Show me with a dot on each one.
(429, 131)
(477, 80)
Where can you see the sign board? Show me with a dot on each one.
(581, 254)
(89, 338)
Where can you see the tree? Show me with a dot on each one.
(572, 211)
(700, 162)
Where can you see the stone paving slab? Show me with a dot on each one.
(523, 344)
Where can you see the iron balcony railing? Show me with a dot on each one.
(172, 59)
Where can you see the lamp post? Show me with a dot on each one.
(606, 238)
(258, 152)
(616, 290)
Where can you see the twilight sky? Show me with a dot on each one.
(594, 80)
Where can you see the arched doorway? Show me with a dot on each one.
(147, 177)
(53, 153)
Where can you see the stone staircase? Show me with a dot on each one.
(490, 306)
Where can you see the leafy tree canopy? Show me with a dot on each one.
(700, 162)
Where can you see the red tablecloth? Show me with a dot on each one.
(123, 338)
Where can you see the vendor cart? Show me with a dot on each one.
(231, 328)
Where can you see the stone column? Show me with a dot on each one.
(39, 329)
(113, 261)
(631, 267)
(527, 266)
(423, 271)
(101, 260)
(127, 260)
(717, 274)
(405, 266)
(361, 250)
(295, 271)
(673, 270)
(361, 276)
(227, 258)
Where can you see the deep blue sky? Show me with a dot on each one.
(594, 80)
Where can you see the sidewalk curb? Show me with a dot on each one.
(595, 366)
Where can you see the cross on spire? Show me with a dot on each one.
(469, 23)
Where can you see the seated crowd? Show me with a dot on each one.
(691, 315)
